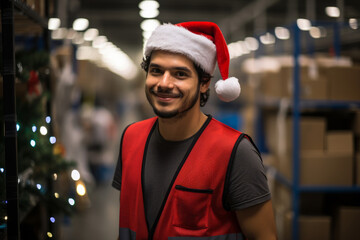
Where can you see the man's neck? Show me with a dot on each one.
(177, 129)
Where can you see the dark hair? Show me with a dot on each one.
(203, 77)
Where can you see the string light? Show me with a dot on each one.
(49, 234)
(6, 218)
(32, 143)
(52, 140)
(48, 119)
(43, 130)
(33, 128)
(17, 127)
(38, 186)
(75, 175)
(2, 170)
(80, 189)
(56, 195)
(71, 201)
(52, 219)
(55, 176)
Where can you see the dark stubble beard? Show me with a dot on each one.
(175, 113)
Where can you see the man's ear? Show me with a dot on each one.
(204, 86)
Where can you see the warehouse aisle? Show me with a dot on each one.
(100, 221)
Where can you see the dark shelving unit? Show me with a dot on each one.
(10, 11)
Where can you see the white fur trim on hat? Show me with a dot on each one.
(228, 90)
(177, 39)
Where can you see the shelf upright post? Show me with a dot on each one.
(337, 40)
(296, 134)
(10, 137)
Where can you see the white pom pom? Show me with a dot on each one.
(228, 90)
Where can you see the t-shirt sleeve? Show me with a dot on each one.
(116, 183)
(248, 182)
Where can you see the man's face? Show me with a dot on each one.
(172, 86)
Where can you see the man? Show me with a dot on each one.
(183, 174)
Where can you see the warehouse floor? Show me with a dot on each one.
(99, 221)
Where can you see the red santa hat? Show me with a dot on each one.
(204, 44)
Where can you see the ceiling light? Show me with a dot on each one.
(54, 23)
(149, 4)
(80, 24)
(332, 11)
(282, 33)
(86, 53)
(317, 32)
(149, 24)
(99, 41)
(238, 49)
(78, 39)
(146, 34)
(303, 24)
(252, 43)
(91, 34)
(71, 34)
(59, 33)
(353, 23)
(267, 39)
(149, 13)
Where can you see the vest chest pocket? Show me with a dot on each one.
(191, 207)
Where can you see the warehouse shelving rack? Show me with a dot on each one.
(297, 106)
(11, 10)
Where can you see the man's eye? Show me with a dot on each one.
(181, 74)
(155, 70)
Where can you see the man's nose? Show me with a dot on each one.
(166, 81)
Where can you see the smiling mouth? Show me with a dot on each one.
(165, 95)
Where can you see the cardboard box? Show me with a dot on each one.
(280, 84)
(279, 134)
(313, 83)
(314, 227)
(340, 142)
(326, 169)
(318, 168)
(312, 133)
(273, 84)
(347, 223)
(310, 227)
(343, 83)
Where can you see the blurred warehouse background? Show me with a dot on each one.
(78, 84)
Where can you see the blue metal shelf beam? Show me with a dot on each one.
(308, 188)
(309, 104)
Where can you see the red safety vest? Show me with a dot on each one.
(193, 206)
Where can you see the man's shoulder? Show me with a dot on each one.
(225, 127)
(143, 123)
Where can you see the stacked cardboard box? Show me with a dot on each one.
(310, 227)
(326, 157)
(347, 223)
(316, 83)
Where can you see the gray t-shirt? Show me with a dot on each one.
(247, 183)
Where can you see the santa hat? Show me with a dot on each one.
(204, 44)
